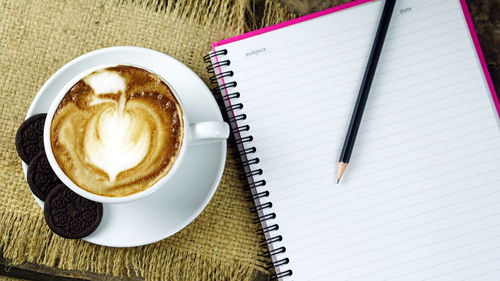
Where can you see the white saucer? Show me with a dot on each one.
(178, 203)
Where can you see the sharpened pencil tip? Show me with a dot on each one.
(341, 169)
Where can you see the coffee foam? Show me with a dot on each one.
(117, 131)
(105, 81)
(110, 146)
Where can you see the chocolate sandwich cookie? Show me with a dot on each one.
(69, 215)
(41, 177)
(29, 137)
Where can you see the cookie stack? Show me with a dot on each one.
(67, 214)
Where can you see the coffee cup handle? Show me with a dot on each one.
(209, 131)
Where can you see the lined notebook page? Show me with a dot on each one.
(421, 199)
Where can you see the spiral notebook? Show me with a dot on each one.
(421, 198)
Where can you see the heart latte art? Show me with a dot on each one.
(117, 131)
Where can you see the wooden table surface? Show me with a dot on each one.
(486, 16)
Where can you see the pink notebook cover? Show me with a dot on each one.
(354, 3)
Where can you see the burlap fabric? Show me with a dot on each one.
(37, 38)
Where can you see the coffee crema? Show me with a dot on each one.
(117, 131)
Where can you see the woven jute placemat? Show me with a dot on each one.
(37, 38)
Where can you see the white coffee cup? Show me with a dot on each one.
(194, 133)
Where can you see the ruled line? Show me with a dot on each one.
(343, 127)
(305, 105)
(273, 181)
(335, 150)
(328, 89)
(297, 261)
(380, 159)
(417, 259)
(351, 50)
(479, 275)
(449, 272)
(266, 148)
(392, 211)
(309, 41)
(305, 258)
(395, 231)
(310, 223)
(248, 97)
(448, 261)
(290, 196)
(385, 93)
(351, 82)
(372, 183)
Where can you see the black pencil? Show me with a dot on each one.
(364, 90)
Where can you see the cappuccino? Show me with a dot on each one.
(117, 131)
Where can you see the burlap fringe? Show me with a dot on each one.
(274, 13)
(152, 262)
(244, 14)
(200, 11)
(22, 241)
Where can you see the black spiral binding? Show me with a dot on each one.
(228, 98)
